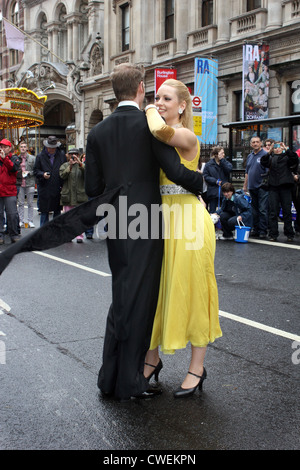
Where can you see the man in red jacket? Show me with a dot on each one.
(9, 165)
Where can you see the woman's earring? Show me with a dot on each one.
(180, 110)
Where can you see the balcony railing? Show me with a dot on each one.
(164, 50)
(251, 22)
(203, 37)
(291, 12)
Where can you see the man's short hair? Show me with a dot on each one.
(125, 81)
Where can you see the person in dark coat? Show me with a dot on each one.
(216, 172)
(46, 170)
(121, 151)
(281, 162)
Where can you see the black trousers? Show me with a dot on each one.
(280, 196)
(296, 201)
(228, 222)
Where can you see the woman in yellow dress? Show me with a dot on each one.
(188, 308)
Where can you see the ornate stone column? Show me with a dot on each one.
(221, 18)
(75, 41)
(70, 40)
(274, 14)
(181, 25)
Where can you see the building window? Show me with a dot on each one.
(207, 12)
(125, 27)
(13, 57)
(238, 105)
(15, 13)
(169, 19)
(253, 4)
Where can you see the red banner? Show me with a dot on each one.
(163, 74)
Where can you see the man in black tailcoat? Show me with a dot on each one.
(121, 152)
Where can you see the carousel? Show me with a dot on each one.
(20, 109)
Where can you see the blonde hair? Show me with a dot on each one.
(183, 94)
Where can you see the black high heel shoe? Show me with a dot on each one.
(186, 392)
(156, 371)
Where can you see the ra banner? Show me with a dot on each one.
(206, 87)
(255, 81)
(162, 75)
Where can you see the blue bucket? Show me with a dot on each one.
(242, 233)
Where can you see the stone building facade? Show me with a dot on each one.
(87, 38)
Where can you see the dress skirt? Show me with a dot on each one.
(188, 307)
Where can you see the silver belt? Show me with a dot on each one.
(166, 189)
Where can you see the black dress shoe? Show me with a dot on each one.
(156, 370)
(150, 393)
(187, 392)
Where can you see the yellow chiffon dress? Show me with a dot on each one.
(188, 307)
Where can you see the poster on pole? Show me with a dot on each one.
(255, 81)
(197, 114)
(206, 87)
(163, 74)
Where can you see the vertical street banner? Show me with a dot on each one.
(255, 81)
(206, 87)
(162, 75)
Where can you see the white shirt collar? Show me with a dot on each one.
(128, 103)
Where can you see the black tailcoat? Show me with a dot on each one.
(121, 152)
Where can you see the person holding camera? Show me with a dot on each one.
(73, 192)
(46, 170)
(281, 161)
(25, 184)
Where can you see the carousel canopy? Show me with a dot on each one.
(20, 107)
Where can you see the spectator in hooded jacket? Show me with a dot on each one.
(9, 165)
(216, 172)
(281, 161)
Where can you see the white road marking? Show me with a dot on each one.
(230, 316)
(4, 306)
(71, 263)
(282, 245)
(260, 326)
